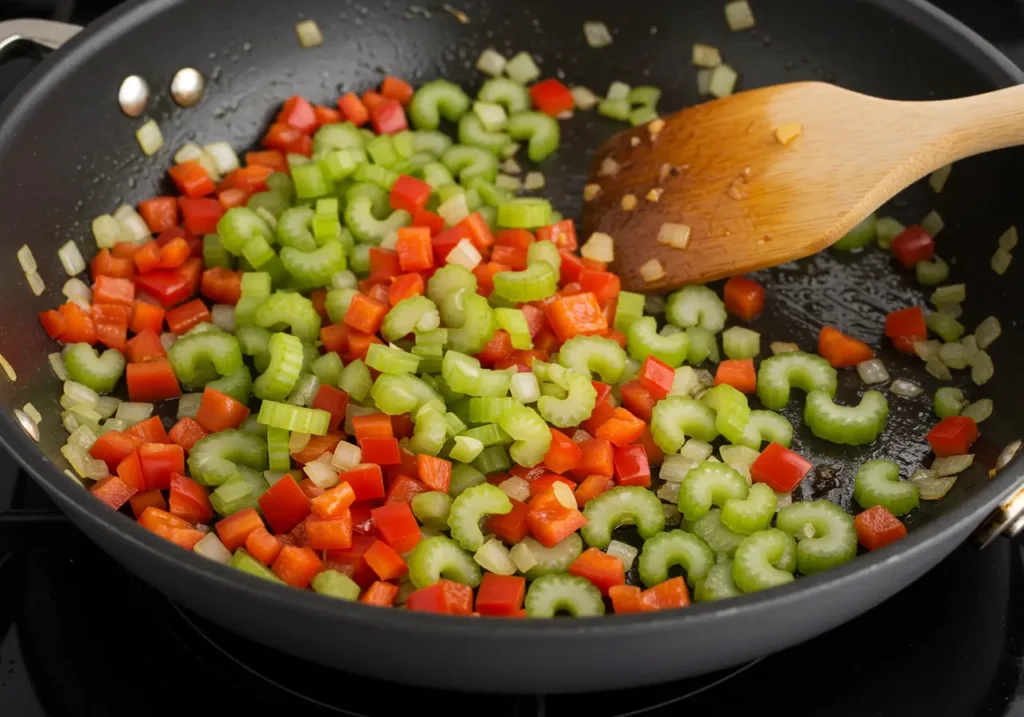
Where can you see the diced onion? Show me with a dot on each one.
(597, 34)
(629, 202)
(939, 370)
(735, 456)
(932, 223)
(510, 150)
(27, 259)
(783, 500)
(652, 271)
(599, 247)
(987, 332)
(624, 552)
(509, 166)
(951, 465)
(106, 231)
(464, 254)
(608, 167)
(706, 56)
(209, 546)
(309, 33)
(516, 487)
(492, 116)
(522, 68)
(57, 364)
(107, 406)
(564, 495)
(672, 515)
(33, 412)
(71, 258)
(937, 180)
(78, 292)
(321, 474)
(346, 456)
(35, 283)
(979, 410)
(188, 405)
(590, 192)
(78, 392)
(704, 82)
(533, 181)
(1008, 239)
(223, 316)
(134, 411)
(522, 557)
(494, 557)
(133, 226)
(454, 209)
(953, 310)
(786, 133)
(675, 468)
(82, 438)
(722, 81)
(1008, 454)
(223, 155)
(507, 181)
(782, 347)
(676, 236)
(297, 441)
(927, 350)
(684, 381)
(167, 339)
(981, 368)
(1001, 260)
(705, 377)
(669, 492)
(491, 62)
(970, 344)
(952, 354)
(583, 98)
(930, 485)
(618, 91)
(905, 388)
(150, 138)
(189, 152)
(696, 450)
(739, 16)
(525, 387)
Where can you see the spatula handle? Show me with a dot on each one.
(972, 125)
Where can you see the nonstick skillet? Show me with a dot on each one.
(67, 154)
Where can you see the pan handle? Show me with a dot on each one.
(45, 33)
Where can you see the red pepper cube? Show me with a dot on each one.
(366, 480)
(877, 527)
(562, 234)
(500, 595)
(547, 482)
(189, 500)
(550, 521)
(744, 298)
(905, 327)
(296, 566)
(738, 373)
(200, 215)
(638, 400)
(476, 229)
(410, 194)
(591, 487)
(563, 455)
(385, 562)
(353, 109)
(403, 489)
(235, 528)
(510, 527)
(657, 377)
(911, 246)
(953, 436)
(414, 248)
(552, 97)
(576, 315)
(397, 526)
(380, 594)
(389, 118)
(780, 468)
(621, 429)
(365, 314)
(436, 473)
(334, 401)
(329, 533)
(373, 425)
(383, 451)
(219, 412)
(433, 598)
(597, 459)
(159, 461)
(631, 466)
(602, 413)
(284, 505)
(667, 595)
(603, 570)
(297, 112)
(113, 491)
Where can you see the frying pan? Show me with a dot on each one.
(68, 154)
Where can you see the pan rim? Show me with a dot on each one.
(951, 33)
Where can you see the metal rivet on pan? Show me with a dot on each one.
(27, 423)
(187, 87)
(133, 95)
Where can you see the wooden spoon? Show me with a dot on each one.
(751, 201)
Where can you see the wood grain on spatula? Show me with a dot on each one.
(750, 201)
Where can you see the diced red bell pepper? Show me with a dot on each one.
(877, 527)
(147, 317)
(500, 595)
(578, 315)
(272, 159)
(284, 505)
(425, 218)
(379, 594)
(221, 285)
(219, 412)
(383, 451)
(840, 350)
(287, 139)
(602, 284)
(738, 373)
(953, 436)
(78, 325)
(546, 482)
(627, 599)
(296, 566)
(415, 252)
(334, 401)
(550, 521)
(350, 560)
(150, 498)
(263, 545)
(111, 290)
(396, 89)
(172, 286)
(129, 470)
(600, 568)
(905, 327)
(113, 447)
(410, 194)
(668, 595)
(436, 473)
(192, 179)
(444, 597)
(597, 459)
(513, 257)
(572, 267)
(510, 527)
(744, 298)
(396, 525)
(186, 432)
(389, 118)
(353, 109)
(552, 97)
(631, 466)
(113, 491)
(159, 213)
(621, 429)
(106, 264)
(200, 215)
(53, 323)
(297, 112)
(385, 561)
(911, 246)
(497, 349)
(638, 400)
(181, 319)
(334, 502)
(152, 381)
(235, 528)
(656, 376)
(160, 461)
(780, 468)
(365, 314)
(366, 480)
(403, 489)
(329, 533)
(476, 228)
(404, 287)
(189, 500)
(563, 455)
(149, 431)
(591, 487)
(374, 425)
(562, 234)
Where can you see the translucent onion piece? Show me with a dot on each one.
(597, 34)
(676, 236)
(722, 81)
(783, 500)
(522, 557)
(652, 271)
(33, 413)
(624, 552)
(618, 91)
(189, 152)
(223, 156)
(1008, 454)
(78, 291)
(491, 62)
(1008, 240)
(223, 316)
(309, 33)
(580, 435)
(939, 370)
(346, 456)
(704, 81)
(950, 294)
(465, 254)
(35, 283)
(927, 350)
(982, 368)
(297, 441)
(782, 347)
(669, 491)
(930, 485)
(872, 371)
(79, 393)
(167, 339)
(599, 247)
(533, 181)
(736, 456)
(979, 410)
(188, 405)
(696, 450)
(564, 495)
(951, 465)
(133, 226)
(495, 557)
(134, 412)
(583, 98)
(1001, 260)
(672, 516)
(209, 546)
(323, 475)
(107, 406)
(905, 388)
(675, 468)
(706, 56)
(516, 487)
(525, 388)
(26, 259)
(739, 16)
(508, 182)
(71, 258)
(454, 209)
(106, 231)
(932, 223)
(987, 332)
(150, 138)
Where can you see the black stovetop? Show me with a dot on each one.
(79, 635)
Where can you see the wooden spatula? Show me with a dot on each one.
(724, 170)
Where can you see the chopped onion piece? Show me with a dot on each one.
(525, 388)
(495, 557)
(516, 487)
(927, 350)
(608, 168)
(624, 552)
(939, 370)
(1001, 260)
(522, 68)
(57, 364)
(71, 258)
(346, 456)
(454, 209)
(979, 410)
(150, 138)
(583, 98)
(932, 223)
(522, 557)
(722, 82)
(533, 181)
(672, 516)
(735, 456)
(786, 133)
(189, 152)
(492, 116)
(618, 91)
(491, 62)
(564, 495)
(167, 339)
(133, 227)
(675, 468)
(951, 294)
(591, 191)
(696, 450)
(599, 247)
(597, 34)
(1008, 454)
(134, 411)
(35, 283)
(509, 166)
(706, 56)
(970, 344)
(930, 485)
(223, 155)
(320, 473)
(223, 316)
(106, 231)
(309, 33)
(33, 412)
(188, 405)
(652, 271)
(738, 15)
(78, 292)
(951, 465)
(27, 259)
(464, 254)
(953, 310)
(297, 441)
(629, 202)
(510, 150)
(685, 380)
(209, 546)
(669, 492)
(981, 368)
(78, 393)
(937, 180)
(952, 354)
(905, 388)
(676, 236)
(783, 500)
(783, 347)
(512, 184)
(987, 332)
(1008, 240)
(704, 82)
